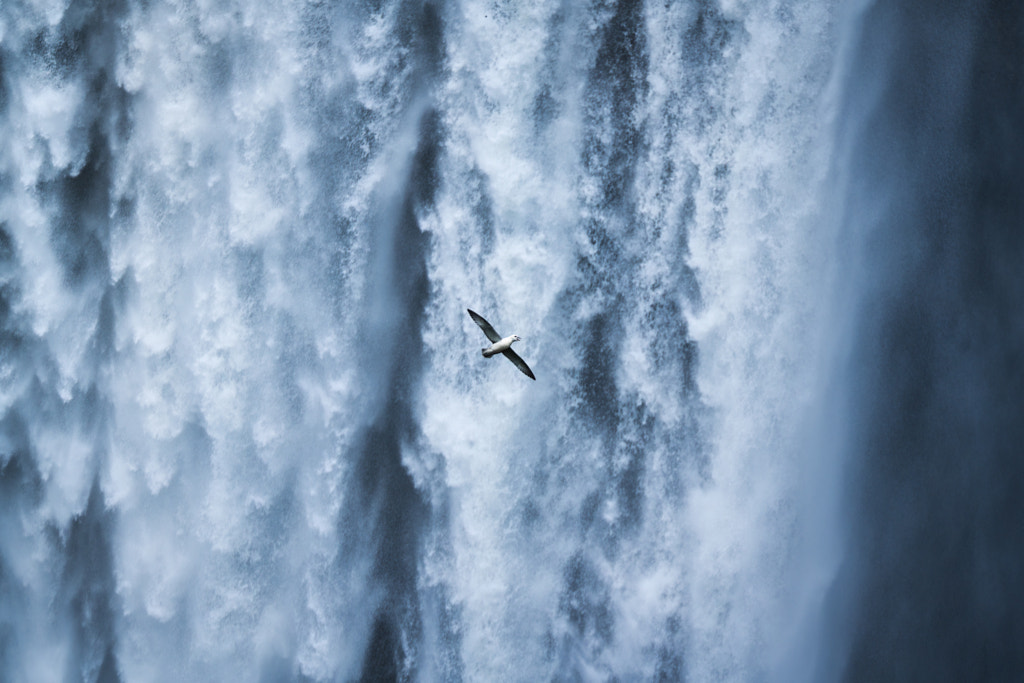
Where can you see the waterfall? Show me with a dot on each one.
(762, 257)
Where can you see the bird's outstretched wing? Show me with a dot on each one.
(485, 326)
(520, 363)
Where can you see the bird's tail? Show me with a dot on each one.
(486, 354)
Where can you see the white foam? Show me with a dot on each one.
(254, 322)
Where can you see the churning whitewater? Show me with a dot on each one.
(245, 430)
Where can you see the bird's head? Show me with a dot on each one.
(515, 338)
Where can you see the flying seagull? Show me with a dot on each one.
(501, 345)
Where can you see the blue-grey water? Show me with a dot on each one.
(766, 260)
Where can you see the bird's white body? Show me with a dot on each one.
(500, 346)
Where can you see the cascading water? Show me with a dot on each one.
(245, 429)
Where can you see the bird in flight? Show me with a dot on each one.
(501, 345)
